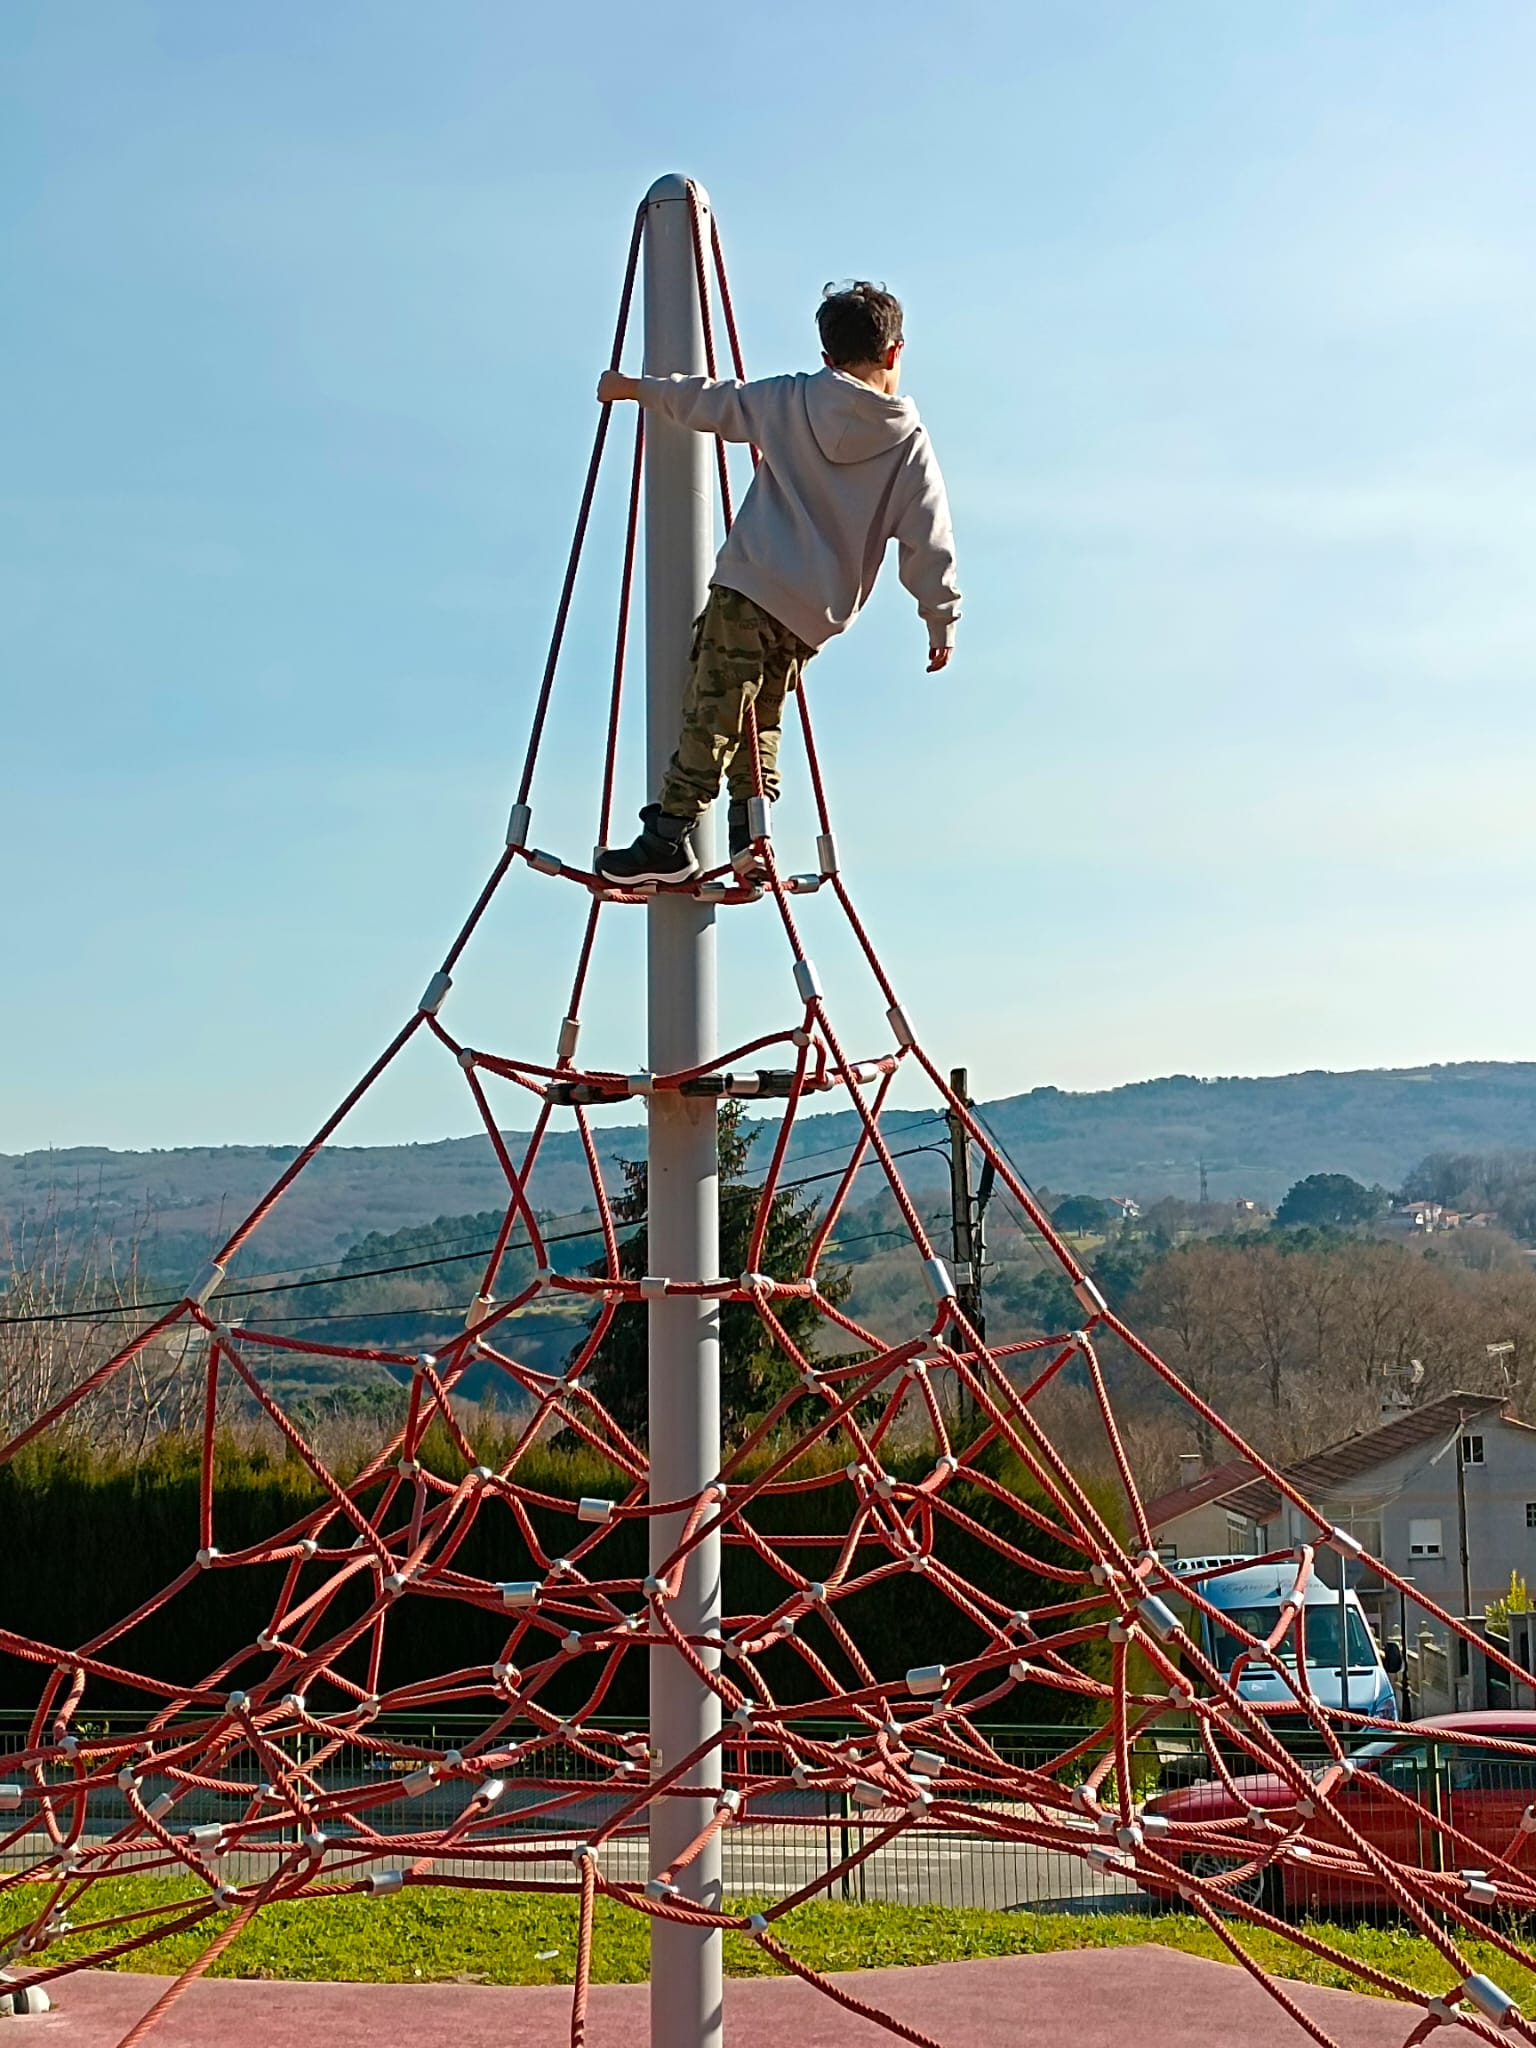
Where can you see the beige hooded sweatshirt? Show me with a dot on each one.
(844, 470)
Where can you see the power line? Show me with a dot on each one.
(379, 1315)
(446, 1244)
(100, 1314)
(1027, 1228)
(566, 1315)
(895, 1230)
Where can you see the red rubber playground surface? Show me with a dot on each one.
(1144, 1997)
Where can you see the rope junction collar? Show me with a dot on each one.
(538, 1797)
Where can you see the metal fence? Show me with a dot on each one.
(789, 1843)
(795, 1839)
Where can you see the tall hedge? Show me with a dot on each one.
(86, 1541)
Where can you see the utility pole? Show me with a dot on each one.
(682, 1156)
(965, 1217)
(1461, 1516)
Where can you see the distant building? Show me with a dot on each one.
(1194, 1520)
(1429, 1217)
(1457, 1475)
(1127, 1209)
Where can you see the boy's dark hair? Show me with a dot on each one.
(858, 322)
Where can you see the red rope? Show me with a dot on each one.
(621, 637)
(583, 516)
(261, 1728)
(701, 279)
(583, 1953)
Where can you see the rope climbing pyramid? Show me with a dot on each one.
(925, 1456)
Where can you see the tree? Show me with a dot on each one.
(1503, 1182)
(1328, 1199)
(1038, 1297)
(1080, 1213)
(754, 1371)
(1297, 1342)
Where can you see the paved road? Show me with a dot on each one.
(919, 1869)
(922, 1867)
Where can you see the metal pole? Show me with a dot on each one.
(960, 1190)
(681, 1155)
(1461, 1517)
(962, 1209)
(1461, 1648)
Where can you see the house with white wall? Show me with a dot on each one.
(1444, 1495)
(1194, 1519)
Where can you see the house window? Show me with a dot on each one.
(1366, 1530)
(1237, 1534)
(1530, 1514)
(1472, 1450)
(1425, 1539)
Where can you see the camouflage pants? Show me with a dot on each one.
(742, 660)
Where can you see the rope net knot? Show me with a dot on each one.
(910, 1476)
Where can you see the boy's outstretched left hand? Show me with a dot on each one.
(938, 657)
(613, 384)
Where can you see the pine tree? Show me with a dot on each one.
(753, 1370)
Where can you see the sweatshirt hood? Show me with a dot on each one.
(852, 421)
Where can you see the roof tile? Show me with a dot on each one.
(1326, 1470)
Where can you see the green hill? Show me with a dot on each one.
(1146, 1139)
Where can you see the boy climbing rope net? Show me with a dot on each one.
(846, 467)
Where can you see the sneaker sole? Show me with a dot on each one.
(649, 875)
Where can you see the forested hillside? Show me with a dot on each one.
(1256, 1137)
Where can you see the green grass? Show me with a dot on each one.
(511, 1938)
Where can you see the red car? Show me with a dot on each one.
(1485, 1793)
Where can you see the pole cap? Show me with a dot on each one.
(673, 185)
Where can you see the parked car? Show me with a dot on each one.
(1345, 1668)
(1481, 1791)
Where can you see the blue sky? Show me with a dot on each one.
(1221, 317)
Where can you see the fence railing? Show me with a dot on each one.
(796, 1840)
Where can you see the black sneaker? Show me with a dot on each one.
(662, 853)
(743, 859)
